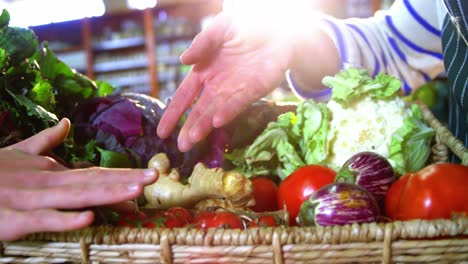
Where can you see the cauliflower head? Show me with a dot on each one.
(364, 125)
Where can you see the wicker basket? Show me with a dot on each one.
(415, 241)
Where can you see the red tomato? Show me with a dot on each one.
(265, 194)
(265, 221)
(163, 220)
(133, 219)
(436, 191)
(181, 213)
(223, 219)
(202, 218)
(298, 186)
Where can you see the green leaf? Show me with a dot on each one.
(354, 83)
(104, 88)
(32, 109)
(4, 19)
(51, 66)
(19, 43)
(112, 159)
(3, 59)
(410, 144)
(42, 94)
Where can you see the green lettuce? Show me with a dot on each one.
(354, 83)
(410, 145)
(296, 139)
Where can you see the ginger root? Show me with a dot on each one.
(203, 184)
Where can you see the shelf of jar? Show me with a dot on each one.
(121, 65)
(116, 44)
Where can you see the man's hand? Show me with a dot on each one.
(232, 68)
(34, 187)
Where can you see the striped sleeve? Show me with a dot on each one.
(403, 41)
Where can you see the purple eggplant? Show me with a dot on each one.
(338, 204)
(369, 170)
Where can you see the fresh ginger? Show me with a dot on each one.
(203, 184)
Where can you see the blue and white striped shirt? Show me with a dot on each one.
(404, 41)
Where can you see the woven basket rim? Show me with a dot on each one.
(364, 232)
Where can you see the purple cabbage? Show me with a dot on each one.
(127, 124)
(338, 204)
(369, 170)
(219, 142)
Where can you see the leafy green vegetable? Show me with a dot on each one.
(354, 83)
(410, 145)
(37, 89)
(112, 159)
(293, 141)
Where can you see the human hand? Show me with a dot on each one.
(34, 187)
(231, 69)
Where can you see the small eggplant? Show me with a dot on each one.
(338, 204)
(369, 170)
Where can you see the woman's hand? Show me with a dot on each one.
(34, 186)
(232, 68)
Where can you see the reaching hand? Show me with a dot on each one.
(34, 187)
(231, 69)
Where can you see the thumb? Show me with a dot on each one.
(45, 140)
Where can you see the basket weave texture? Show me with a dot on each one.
(416, 241)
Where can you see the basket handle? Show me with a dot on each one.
(454, 144)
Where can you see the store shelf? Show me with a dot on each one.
(122, 47)
(119, 66)
(119, 44)
(129, 81)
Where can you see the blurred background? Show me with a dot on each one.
(135, 44)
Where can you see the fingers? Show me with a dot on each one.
(206, 42)
(234, 104)
(17, 160)
(46, 139)
(68, 196)
(200, 119)
(184, 96)
(44, 220)
(99, 175)
(25, 178)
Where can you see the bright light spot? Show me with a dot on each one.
(24, 13)
(279, 16)
(206, 21)
(327, 212)
(427, 202)
(141, 4)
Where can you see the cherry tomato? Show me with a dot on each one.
(265, 221)
(203, 218)
(436, 191)
(163, 220)
(299, 185)
(181, 213)
(222, 219)
(132, 219)
(265, 194)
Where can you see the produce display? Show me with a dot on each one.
(361, 157)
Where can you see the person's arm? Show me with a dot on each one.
(403, 41)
